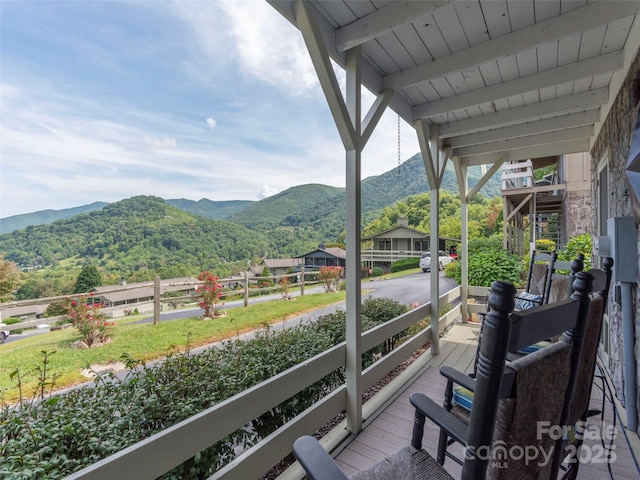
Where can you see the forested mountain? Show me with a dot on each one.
(211, 209)
(43, 217)
(275, 211)
(312, 219)
(135, 238)
(141, 237)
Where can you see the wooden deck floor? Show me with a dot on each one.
(391, 429)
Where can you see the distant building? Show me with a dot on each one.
(322, 257)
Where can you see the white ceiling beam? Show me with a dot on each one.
(569, 103)
(578, 20)
(531, 128)
(538, 151)
(382, 21)
(319, 54)
(566, 73)
(524, 142)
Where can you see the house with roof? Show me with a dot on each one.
(322, 256)
(140, 295)
(397, 243)
(278, 266)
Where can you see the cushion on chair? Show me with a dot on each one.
(463, 397)
(525, 300)
(534, 347)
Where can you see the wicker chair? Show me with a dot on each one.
(546, 320)
(578, 407)
(505, 407)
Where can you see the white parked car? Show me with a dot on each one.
(443, 259)
(3, 333)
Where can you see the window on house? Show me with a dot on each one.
(602, 192)
(420, 246)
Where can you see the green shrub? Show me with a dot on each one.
(576, 245)
(545, 245)
(380, 310)
(405, 264)
(54, 437)
(62, 434)
(377, 271)
(487, 266)
(450, 269)
(495, 242)
(12, 321)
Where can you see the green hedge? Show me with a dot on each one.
(54, 437)
(405, 264)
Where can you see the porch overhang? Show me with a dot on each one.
(482, 82)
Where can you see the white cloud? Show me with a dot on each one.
(212, 123)
(253, 34)
(160, 143)
(266, 191)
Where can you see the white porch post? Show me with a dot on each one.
(463, 185)
(354, 293)
(354, 133)
(435, 162)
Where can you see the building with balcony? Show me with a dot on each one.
(555, 206)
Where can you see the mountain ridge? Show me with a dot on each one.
(313, 204)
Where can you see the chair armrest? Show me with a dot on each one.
(456, 376)
(315, 460)
(453, 426)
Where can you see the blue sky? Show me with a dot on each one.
(101, 101)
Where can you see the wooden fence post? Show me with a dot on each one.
(302, 281)
(246, 288)
(156, 301)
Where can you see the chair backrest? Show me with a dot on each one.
(539, 274)
(587, 362)
(560, 286)
(510, 394)
(521, 410)
(523, 414)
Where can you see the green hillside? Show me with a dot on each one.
(273, 211)
(323, 220)
(211, 209)
(141, 237)
(135, 238)
(43, 217)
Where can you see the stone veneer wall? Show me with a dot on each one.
(615, 139)
(578, 213)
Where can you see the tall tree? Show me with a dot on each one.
(88, 278)
(9, 279)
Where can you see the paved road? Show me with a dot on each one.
(406, 289)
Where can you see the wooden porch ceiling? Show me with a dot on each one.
(501, 79)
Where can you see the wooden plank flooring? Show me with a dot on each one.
(391, 430)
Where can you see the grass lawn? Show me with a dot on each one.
(141, 341)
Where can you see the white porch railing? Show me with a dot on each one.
(517, 175)
(387, 255)
(165, 450)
